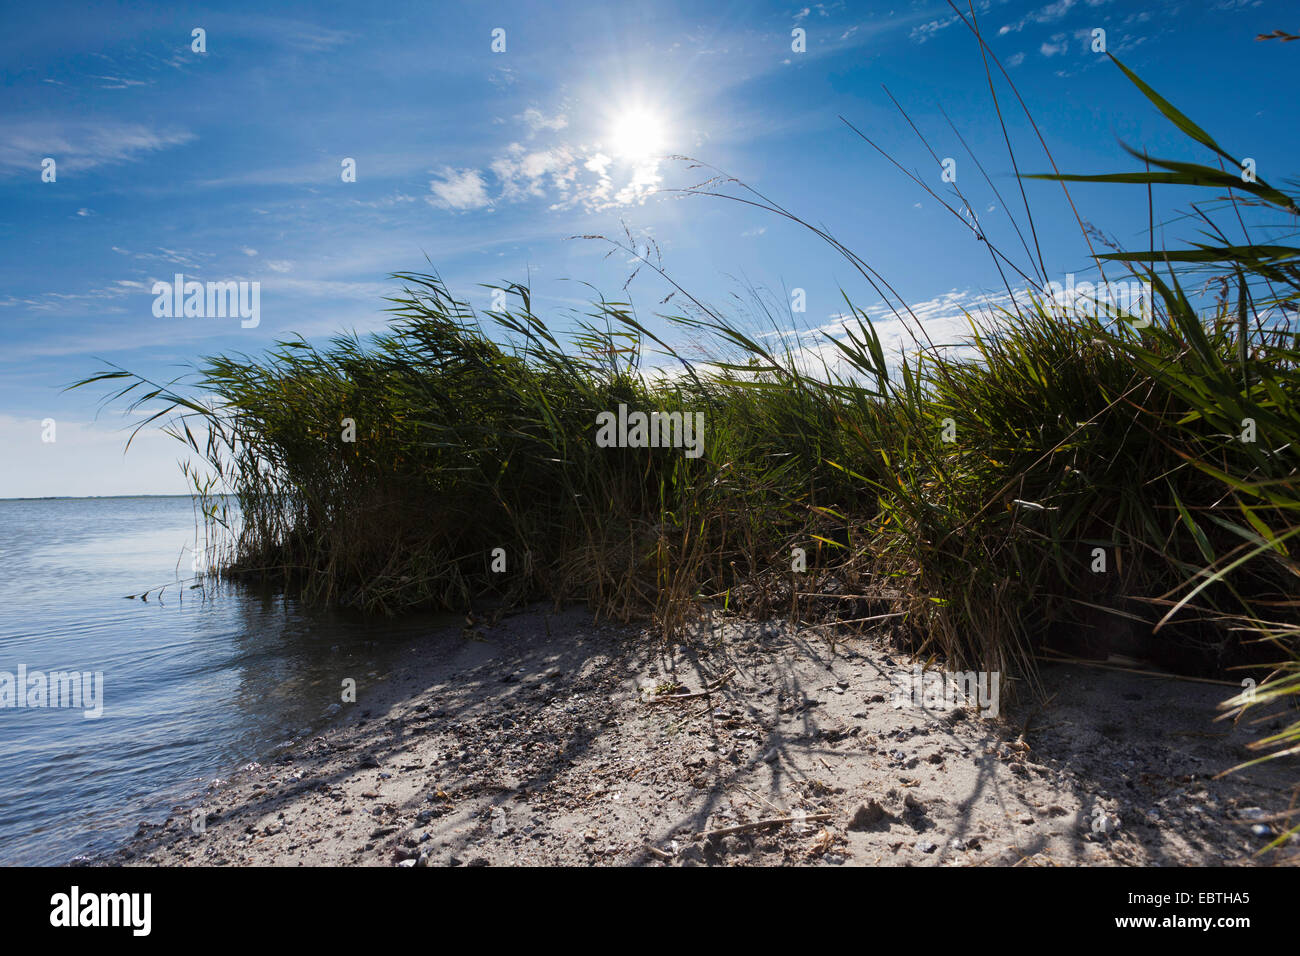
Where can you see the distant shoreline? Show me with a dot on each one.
(103, 497)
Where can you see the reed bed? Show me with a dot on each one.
(960, 498)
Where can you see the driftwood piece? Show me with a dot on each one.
(711, 689)
(771, 822)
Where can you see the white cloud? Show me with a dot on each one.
(643, 182)
(179, 257)
(1050, 13)
(459, 189)
(79, 146)
(119, 83)
(556, 172)
(72, 302)
(568, 175)
(944, 321)
(928, 30)
(536, 120)
(523, 173)
(502, 76)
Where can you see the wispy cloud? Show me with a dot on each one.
(119, 82)
(80, 145)
(929, 29)
(1051, 13)
(536, 120)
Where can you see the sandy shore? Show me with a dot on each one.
(538, 743)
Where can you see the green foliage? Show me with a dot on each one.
(1070, 433)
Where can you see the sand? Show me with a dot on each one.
(543, 741)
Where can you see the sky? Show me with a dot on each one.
(315, 149)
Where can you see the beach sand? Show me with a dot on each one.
(535, 742)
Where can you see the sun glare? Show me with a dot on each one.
(637, 134)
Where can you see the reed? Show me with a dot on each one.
(963, 495)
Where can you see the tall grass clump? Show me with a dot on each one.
(387, 473)
(1063, 478)
(1165, 444)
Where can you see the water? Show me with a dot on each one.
(194, 686)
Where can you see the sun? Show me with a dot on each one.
(638, 134)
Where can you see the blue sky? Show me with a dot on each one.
(226, 165)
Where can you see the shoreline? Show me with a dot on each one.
(539, 742)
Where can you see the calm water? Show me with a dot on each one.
(193, 686)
